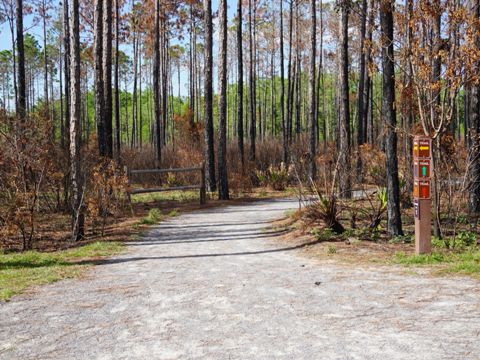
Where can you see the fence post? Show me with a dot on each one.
(203, 194)
(129, 198)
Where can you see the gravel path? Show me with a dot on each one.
(212, 285)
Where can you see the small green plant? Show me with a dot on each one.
(325, 208)
(153, 217)
(462, 219)
(378, 208)
(349, 232)
(331, 249)
(405, 239)
(171, 180)
(323, 234)
(438, 243)
(463, 239)
(173, 213)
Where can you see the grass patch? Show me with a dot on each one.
(181, 196)
(20, 271)
(173, 213)
(465, 262)
(152, 218)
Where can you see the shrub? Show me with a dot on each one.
(460, 241)
(30, 173)
(326, 209)
(463, 239)
(106, 192)
(275, 178)
(377, 208)
(153, 217)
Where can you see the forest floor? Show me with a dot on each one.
(220, 283)
(356, 248)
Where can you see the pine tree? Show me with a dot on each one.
(208, 122)
(222, 106)
(388, 111)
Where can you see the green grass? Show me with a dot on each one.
(173, 213)
(20, 271)
(465, 262)
(181, 196)
(153, 217)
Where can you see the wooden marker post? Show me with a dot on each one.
(422, 201)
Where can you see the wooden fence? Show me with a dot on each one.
(200, 187)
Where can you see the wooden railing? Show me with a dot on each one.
(200, 187)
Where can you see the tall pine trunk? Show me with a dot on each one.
(21, 106)
(240, 85)
(99, 85)
(313, 97)
(107, 76)
(45, 60)
(252, 83)
(361, 123)
(78, 217)
(117, 140)
(156, 86)
(208, 122)
(389, 113)
(344, 177)
(282, 89)
(67, 84)
(222, 106)
(474, 122)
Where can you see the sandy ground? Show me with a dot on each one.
(213, 284)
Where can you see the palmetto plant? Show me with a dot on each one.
(378, 207)
(325, 207)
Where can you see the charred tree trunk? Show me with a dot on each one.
(156, 86)
(289, 80)
(252, 84)
(222, 107)
(67, 84)
(116, 82)
(313, 97)
(298, 74)
(344, 109)
(474, 122)
(361, 124)
(368, 90)
(282, 89)
(107, 75)
(99, 85)
(389, 113)
(209, 145)
(240, 85)
(21, 106)
(45, 60)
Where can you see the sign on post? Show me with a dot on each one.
(422, 171)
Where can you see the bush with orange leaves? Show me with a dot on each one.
(106, 193)
(29, 176)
